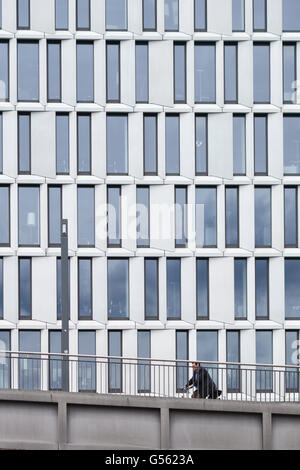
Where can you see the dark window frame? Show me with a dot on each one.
(88, 362)
(242, 115)
(173, 115)
(293, 245)
(94, 192)
(114, 29)
(39, 213)
(6, 41)
(215, 187)
(61, 29)
(180, 290)
(57, 42)
(145, 186)
(197, 173)
(237, 318)
(187, 365)
(119, 187)
(128, 287)
(294, 45)
(21, 172)
(235, 245)
(91, 43)
(9, 215)
(115, 390)
(263, 44)
(289, 115)
(142, 43)
(235, 45)
(22, 317)
(56, 146)
(175, 44)
(143, 13)
(237, 368)
(150, 173)
(267, 317)
(244, 21)
(185, 187)
(49, 187)
(265, 29)
(207, 43)
(79, 114)
(151, 318)
(263, 186)
(113, 43)
(28, 41)
(200, 30)
(260, 116)
(198, 317)
(127, 138)
(24, 28)
(90, 17)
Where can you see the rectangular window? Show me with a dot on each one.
(182, 353)
(172, 144)
(118, 288)
(113, 81)
(117, 144)
(54, 215)
(202, 279)
(260, 144)
(58, 287)
(201, 144)
(206, 216)
(62, 143)
(30, 365)
(291, 374)
(144, 367)
(115, 348)
(231, 72)
(4, 215)
(55, 372)
(84, 144)
(205, 72)
(5, 361)
(263, 224)
(171, 15)
(1, 291)
(151, 289)
(200, 15)
(239, 144)
(114, 216)
(173, 288)
(86, 365)
(143, 216)
(291, 144)
(292, 288)
(232, 216)
(83, 14)
(116, 15)
(264, 355)
(289, 72)
(141, 72)
(0, 14)
(261, 72)
(85, 71)
(28, 70)
(1, 143)
(240, 288)
(149, 15)
(29, 215)
(180, 216)
(262, 288)
(61, 14)
(238, 15)
(23, 14)
(259, 15)
(150, 144)
(291, 217)
(24, 143)
(233, 355)
(179, 72)
(4, 70)
(54, 71)
(85, 292)
(25, 289)
(207, 350)
(86, 216)
(291, 15)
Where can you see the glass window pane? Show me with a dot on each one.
(62, 143)
(206, 216)
(54, 71)
(144, 367)
(207, 350)
(58, 287)
(86, 216)
(113, 71)
(29, 216)
(233, 355)
(171, 15)
(264, 355)
(61, 14)
(24, 288)
(5, 361)
(142, 216)
(205, 73)
(115, 365)
(290, 217)
(261, 73)
(28, 71)
(4, 215)
(117, 144)
(230, 73)
(84, 144)
(259, 15)
(200, 15)
(85, 288)
(172, 144)
(291, 145)
(179, 73)
(261, 144)
(1, 143)
(85, 72)
(116, 14)
(29, 366)
(182, 352)
(114, 216)
(118, 288)
(1, 293)
(289, 73)
(0, 14)
(54, 214)
(292, 288)
(141, 72)
(23, 11)
(4, 71)
(149, 15)
(232, 217)
(201, 145)
(55, 382)
(151, 289)
(86, 365)
(263, 234)
(240, 288)
(173, 288)
(24, 138)
(238, 15)
(291, 358)
(180, 216)
(150, 144)
(239, 144)
(291, 15)
(202, 288)
(83, 14)
(262, 288)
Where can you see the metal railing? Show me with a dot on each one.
(150, 377)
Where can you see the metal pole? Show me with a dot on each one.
(65, 304)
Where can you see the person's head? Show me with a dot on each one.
(195, 365)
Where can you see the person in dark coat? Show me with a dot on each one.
(204, 386)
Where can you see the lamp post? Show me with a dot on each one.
(65, 304)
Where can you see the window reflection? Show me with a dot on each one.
(86, 365)
(261, 72)
(291, 15)
(28, 71)
(151, 289)
(29, 366)
(202, 266)
(171, 15)
(118, 288)
(205, 73)
(264, 355)
(117, 144)
(4, 71)
(262, 288)
(206, 216)
(263, 234)
(291, 145)
(173, 288)
(29, 216)
(85, 71)
(292, 288)
(116, 14)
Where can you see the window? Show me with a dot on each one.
(149, 15)
(206, 216)
(207, 350)
(55, 365)
(179, 72)
(1, 143)
(83, 14)
(240, 289)
(171, 15)
(151, 289)
(29, 215)
(261, 72)
(233, 355)
(290, 217)
(23, 14)
(262, 288)
(86, 216)
(85, 71)
(291, 15)
(143, 216)
(292, 288)
(61, 15)
(114, 216)
(116, 15)
(291, 144)
(260, 144)
(0, 14)
(24, 143)
(86, 365)
(30, 365)
(4, 70)
(202, 279)
(289, 72)
(173, 288)
(54, 215)
(141, 72)
(291, 374)
(259, 15)
(263, 233)
(25, 289)
(113, 82)
(84, 144)
(62, 143)
(180, 216)
(200, 15)
(58, 287)
(172, 144)
(238, 15)
(4, 215)
(118, 288)
(144, 367)
(117, 144)
(1, 292)
(231, 72)
(239, 144)
(182, 353)
(115, 348)
(5, 361)
(205, 72)
(201, 144)
(264, 355)
(54, 71)
(232, 216)
(150, 144)
(85, 295)
(28, 71)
